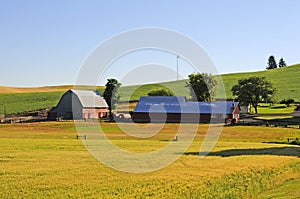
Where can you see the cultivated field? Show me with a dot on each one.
(12, 103)
(45, 160)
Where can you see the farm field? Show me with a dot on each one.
(46, 160)
(265, 108)
(5, 89)
(22, 102)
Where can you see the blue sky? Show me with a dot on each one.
(45, 42)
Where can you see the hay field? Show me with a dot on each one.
(45, 160)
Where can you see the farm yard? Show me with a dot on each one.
(46, 160)
(149, 99)
(18, 100)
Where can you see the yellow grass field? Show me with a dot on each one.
(45, 160)
(4, 89)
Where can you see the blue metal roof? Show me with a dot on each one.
(173, 104)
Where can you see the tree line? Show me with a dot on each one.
(272, 64)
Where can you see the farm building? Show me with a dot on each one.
(79, 104)
(177, 109)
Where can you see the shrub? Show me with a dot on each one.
(160, 92)
(287, 102)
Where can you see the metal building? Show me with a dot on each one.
(177, 109)
(79, 104)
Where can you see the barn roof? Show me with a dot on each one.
(179, 105)
(90, 99)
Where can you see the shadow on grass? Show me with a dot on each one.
(281, 151)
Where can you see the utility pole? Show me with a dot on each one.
(177, 57)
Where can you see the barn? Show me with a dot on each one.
(177, 109)
(79, 104)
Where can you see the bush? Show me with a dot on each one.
(279, 106)
(287, 101)
(160, 92)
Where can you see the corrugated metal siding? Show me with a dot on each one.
(172, 117)
(153, 105)
(176, 109)
(90, 99)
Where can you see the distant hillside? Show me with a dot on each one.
(285, 80)
(12, 103)
(17, 100)
(6, 89)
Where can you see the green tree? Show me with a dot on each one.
(271, 63)
(253, 90)
(201, 86)
(111, 94)
(160, 92)
(281, 63)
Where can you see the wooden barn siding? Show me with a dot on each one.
(236, 113)
(94, 113)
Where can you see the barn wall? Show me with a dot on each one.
(94, 113)
(171, 117)
(64, 107)
(70, 107)
(236, 113)
(77, 107)
(52, 115)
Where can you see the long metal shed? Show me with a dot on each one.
(177, 109)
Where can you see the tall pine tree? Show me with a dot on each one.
(271, 63)
(281, 63)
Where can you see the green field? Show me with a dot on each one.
(45, 160)
(283, 79)
(265, 108)
(22, 102)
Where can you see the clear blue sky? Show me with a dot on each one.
(45, 42)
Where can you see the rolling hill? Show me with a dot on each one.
(285, 80)
(17, 100)
(6, 89)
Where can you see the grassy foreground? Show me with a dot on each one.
(45, 160)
